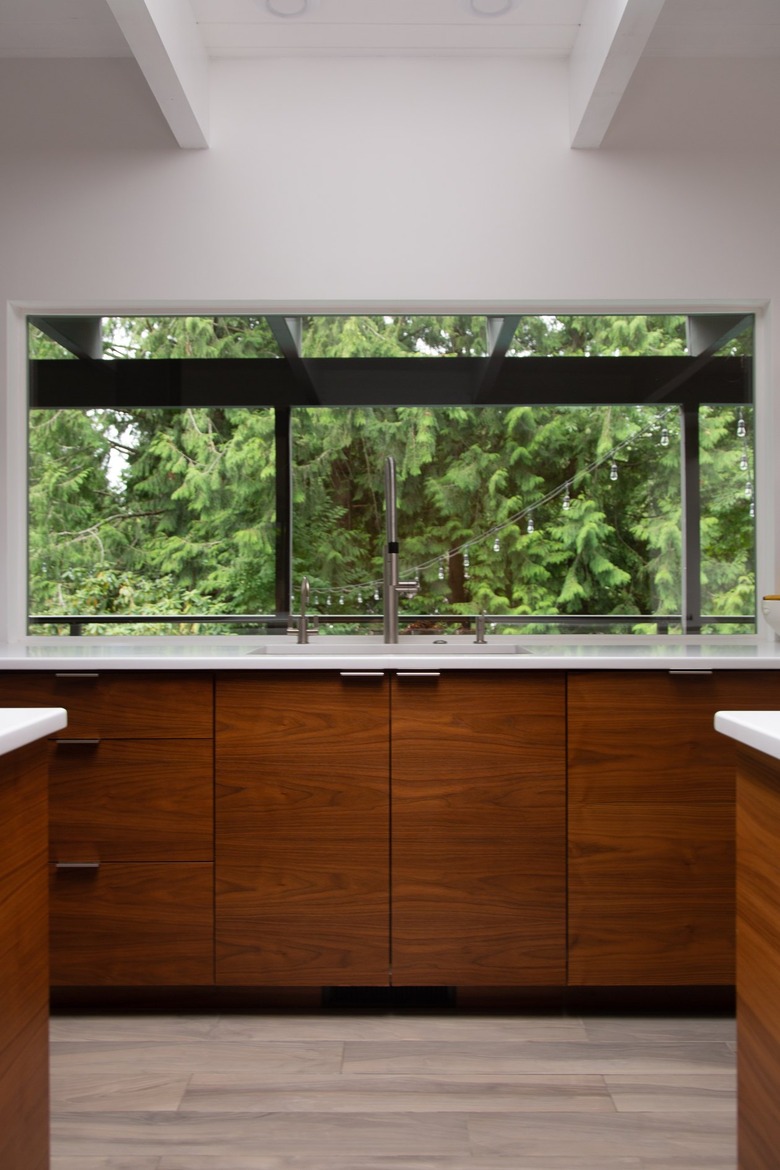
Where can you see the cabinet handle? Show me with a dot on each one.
(362, 673)
(691, 672)
(77, 865)
(76, 742)
(419, 674)
(75, 675)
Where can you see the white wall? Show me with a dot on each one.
(386, 183)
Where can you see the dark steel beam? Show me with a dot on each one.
(287, 332)
(82, 336)
(500, 332)
(708, 332)
(706, 335)
(283, 481)
(690, 485)
(172, 382)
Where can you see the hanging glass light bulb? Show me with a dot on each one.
(376, 595)
(316, 599)
(530, 527)
(441, 569)
(664, 437)
(341, 599)
(360, 597)
(566, 500)
(752, 509)
(743, 463)
(613, 471)
(741, 428)
(497, 544)
(748, 490)
(328, 600)
(466, 563)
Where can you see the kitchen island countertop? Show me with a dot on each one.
(20, 726)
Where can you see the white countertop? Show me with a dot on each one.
(444, 652)
(20, 726)
(755, 729)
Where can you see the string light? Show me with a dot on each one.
(741, 428)
(613, 471)
(530, 527)
(664, 437)
(566, 499)
(497, 545)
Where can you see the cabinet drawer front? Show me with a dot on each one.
(649, 735)
(132, 800)
(118, 704)
(132, 925)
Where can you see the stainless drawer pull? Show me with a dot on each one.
(691, 672)
(362, 673)
(77, 865)
(76, 674)
(76, 742)
(419, 673)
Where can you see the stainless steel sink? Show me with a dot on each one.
(324, 646)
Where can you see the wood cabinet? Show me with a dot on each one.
(311, 772)
(302, 829)
(392, 826)
(651, 824)
(24, 1009)
(758, 950)
(131, 801)
(478, 813)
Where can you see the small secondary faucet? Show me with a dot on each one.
(393, 588)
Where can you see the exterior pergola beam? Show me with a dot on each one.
(611, 39)
(165, 40)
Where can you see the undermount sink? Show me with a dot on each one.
(349, 647)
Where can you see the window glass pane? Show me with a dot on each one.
(522, 510)
(188, 337)
(728, 511)
(385, 336)
(638, 335)
(151, 512)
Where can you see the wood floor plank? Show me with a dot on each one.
(644, 1135)
(373, 1027)
(222, 1093)
(415, 1057)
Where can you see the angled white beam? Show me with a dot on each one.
(165, 40)
(610, 42)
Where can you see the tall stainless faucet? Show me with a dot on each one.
(393, 588)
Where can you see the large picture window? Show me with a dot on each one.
(570, 474)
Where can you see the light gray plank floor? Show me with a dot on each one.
(380, 1091)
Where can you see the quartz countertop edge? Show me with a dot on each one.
(759, 730)
(20, 726)
(152, 654)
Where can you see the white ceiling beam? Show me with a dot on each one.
(165, 40)
(611, 39)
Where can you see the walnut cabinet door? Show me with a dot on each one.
(479, 820)
(302, 829)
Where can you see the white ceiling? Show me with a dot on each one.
(603, 40)
(245, 28)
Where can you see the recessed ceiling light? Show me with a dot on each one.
(287, 7)
(491, 7)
